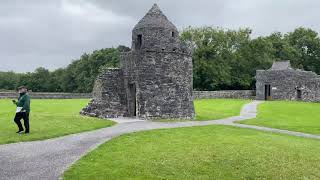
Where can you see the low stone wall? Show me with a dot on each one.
(233, 94)
(34, 95)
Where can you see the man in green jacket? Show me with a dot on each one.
(23, 110)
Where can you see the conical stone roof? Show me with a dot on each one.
(155, 19)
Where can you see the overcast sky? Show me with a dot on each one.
(51, 33)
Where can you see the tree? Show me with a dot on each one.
(226, 59)
(217, 62)
(222, 59)
(79, 76)
(306, 43)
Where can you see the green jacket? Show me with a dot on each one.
(24, 102)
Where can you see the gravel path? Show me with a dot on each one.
(48, 159)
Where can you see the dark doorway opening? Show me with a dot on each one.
(267, 92)
(132, 100)
(299, 94)
(139, 41)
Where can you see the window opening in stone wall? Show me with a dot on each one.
(139, 41)
(299, 94)
(172, 34)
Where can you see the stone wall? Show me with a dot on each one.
(285, 85)
(109, 98)
(311, 90)
(233, 94)
(128, 65)
(164, 86)
(41, 95)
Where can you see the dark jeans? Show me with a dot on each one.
(25, 117)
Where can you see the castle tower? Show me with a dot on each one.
(162, 69)
(154, 79)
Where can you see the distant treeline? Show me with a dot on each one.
(222, 59)
(79, 76)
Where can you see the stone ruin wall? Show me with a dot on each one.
(284, 84)
(233, 94)
(109, 96)
(311, 90)
(128, 65)
(157, 39)
(163, 89)
(225, 94)
(164, 86)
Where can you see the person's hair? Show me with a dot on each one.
(22, 87)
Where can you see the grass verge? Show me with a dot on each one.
(48, 119)
(288, 115)
(213, 109)
(210, 152)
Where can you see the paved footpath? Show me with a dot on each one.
(48, 159)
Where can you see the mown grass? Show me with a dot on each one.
(210, 152)
(213, 109)
(48, 119)
(53, 118)
(288, 115)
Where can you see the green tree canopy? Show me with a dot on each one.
(79, 76)
(228, 59)
(223, 59)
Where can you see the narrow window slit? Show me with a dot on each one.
(139, 41)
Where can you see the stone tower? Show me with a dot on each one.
(154, 79)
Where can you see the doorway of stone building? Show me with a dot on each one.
(299, 94)
(267, 92)
(133, 100)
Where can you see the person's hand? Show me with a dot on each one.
(14, 101)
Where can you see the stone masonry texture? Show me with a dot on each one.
(232, 94)
(154, 79)
(286, 83)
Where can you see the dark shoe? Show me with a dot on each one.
(27, 132)
(19, 132)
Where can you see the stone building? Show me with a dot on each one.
(282, 82)
(154, 79)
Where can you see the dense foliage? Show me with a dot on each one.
(222, 59)
(228, 59)
(79, 76)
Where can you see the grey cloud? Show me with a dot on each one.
(51, 34)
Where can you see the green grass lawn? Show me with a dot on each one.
(212, 109)
(210, 152)
(53, 118)
(289, 115)
(48, 118)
